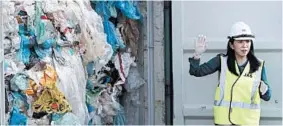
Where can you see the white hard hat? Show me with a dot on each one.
(241, 31)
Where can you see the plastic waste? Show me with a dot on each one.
(134, 80)
(123, 63)
(24, 52)
(51, 99)
(12, 67)
(72, 82)
(19, 82)
(17, 118)
(112, 38)
(67, 119)
(128, 9)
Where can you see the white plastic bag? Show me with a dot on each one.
(93, 37)
(72, 82)
(13, 67)
(123, 63)
(51, 6)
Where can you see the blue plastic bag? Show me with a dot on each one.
(24, 53)
(128, 9)
(44, 49)
(102, 8)
(17, 118)
(27, 36)
(112, 38)
(19, 100)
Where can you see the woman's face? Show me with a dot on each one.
(241, 47)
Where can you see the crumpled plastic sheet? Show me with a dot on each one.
(130, 34)
(72, 79)
(51, 6)
(128, 8)
(51, 99)
(19, 82)
(93, 37)
(12, 67)
(18, 100)
(134, 80)
(17, 118)
(112, 36)
(123, 63)
(45, 49)
(108, 108)
(10, 28)
(10, 22)
(36, 72)
(103, 9)
(24, 52)
(34, 59)
(42, 121)
(67, 119)
(120, 118)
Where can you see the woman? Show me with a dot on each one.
(242, 78)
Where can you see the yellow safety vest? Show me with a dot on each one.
(237, 99)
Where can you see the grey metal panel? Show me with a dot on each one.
(214, 19)
(177, 62)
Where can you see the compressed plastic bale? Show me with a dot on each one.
(73, 82)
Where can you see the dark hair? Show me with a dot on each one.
(254, 62)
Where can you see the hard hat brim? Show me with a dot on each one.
(244, 38)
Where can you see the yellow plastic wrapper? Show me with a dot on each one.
(51, 100)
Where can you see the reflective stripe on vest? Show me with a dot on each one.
(222, 88)
(237, 104)
(256, 84)
(222, 78)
